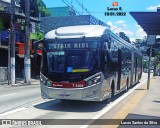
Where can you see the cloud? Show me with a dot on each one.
(153, 7)
(124, 25)
(140, 33)
(117, 29)
(120, 22)
(110, 23)
(128, 33)
(113, 27)
(132, 39)
(138, 26)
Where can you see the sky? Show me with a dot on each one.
(126, 24)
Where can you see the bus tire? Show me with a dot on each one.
(108, 100)
(112, 89)
(127, 86)
(138, 78)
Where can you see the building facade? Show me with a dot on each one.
(50, 23)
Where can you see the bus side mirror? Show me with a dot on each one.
(37, 46)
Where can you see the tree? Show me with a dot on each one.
(42, 7)
(124, 36)
(158, 55)
(36, 6)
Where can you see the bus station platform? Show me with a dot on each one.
(145, 105)
(137, 109)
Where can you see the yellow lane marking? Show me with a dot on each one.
(130, 105)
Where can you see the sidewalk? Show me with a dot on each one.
(20, 82)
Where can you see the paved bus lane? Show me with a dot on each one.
(56, 109)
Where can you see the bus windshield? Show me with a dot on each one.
(72, 55)
(69, 61)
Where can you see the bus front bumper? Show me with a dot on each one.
(91, 93)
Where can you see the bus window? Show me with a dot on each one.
(113, 54)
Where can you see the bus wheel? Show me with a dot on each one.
(112, 89)
(109, 98)
(138, 78)
(126, 89)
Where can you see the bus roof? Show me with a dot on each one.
(130, 46)
(81, 31)
(77, 31)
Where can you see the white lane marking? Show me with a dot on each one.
(111, 105)
(21, 109)
(1, 96)
(12, 111)
(41, 102)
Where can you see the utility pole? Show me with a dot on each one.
(12, 43)
(39, 18)
(27, 60)
(149, 67)
(9, 58)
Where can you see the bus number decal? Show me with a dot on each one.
(77, 85)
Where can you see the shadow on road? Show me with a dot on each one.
(75, 106)
(71, 106)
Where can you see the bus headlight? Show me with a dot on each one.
(94, 81)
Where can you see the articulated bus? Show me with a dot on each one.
(87, 62)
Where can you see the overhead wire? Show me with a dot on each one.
(70, 5)
(83, 7)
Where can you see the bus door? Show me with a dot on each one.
(119, 68)
(135, 67)
(124, 68)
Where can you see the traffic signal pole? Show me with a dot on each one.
(12, 44)
(27, 60)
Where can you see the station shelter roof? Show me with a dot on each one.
(149, 21)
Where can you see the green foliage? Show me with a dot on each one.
(36, 6)
(157, 54)
(145, 64)
(42, 7)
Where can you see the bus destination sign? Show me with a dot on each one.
(51, 46)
